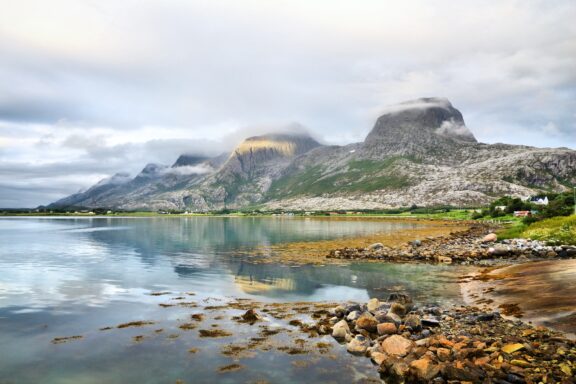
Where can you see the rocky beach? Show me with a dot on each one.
(474, 245)
(423, 344)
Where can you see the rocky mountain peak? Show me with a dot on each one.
(261, 158)
(257, 150)
(117, 179)
(277, 144)
(424, 122)
(189, 160)
(151, 170)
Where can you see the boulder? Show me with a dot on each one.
(358, 345)
(391, 318)
(413, 322)
(397, 309)
(424, 369)
(490, 238)
(374, 304)
(375, 246)
(387, 329)
(340, 330)
(366, 322)
(443, 259)
(401, 298)
(353, 316)
(430, 322)
(443, 354)
(251, 316)
(397, 345)
(378, 357)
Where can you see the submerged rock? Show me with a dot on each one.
(251, 316)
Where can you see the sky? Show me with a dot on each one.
(89, 88)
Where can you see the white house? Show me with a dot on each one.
(540, 201)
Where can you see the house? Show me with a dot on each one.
(540, 201)
(501, 207)
(522, 213)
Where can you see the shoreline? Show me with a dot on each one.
(546, 295)
(423, 344)
(406, 342)
(476, 245)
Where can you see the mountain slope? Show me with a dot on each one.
(419, 152)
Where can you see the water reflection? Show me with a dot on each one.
(73, 276)
(93, 260)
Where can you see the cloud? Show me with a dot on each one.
(189, 170)
(109, 86)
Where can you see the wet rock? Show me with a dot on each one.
(430, 322)
(373, 305)
(401, 298)
(443, 259)
(490, 238)
(387, 329)
(424, 369)
(393, 318)
(511, 348)
(396, 369)
(355, 307)
(397, 345)
(413, 323)
(375, 246)
(443, 354)
(378, 357)
(339, 311)
(486, 316)
(340, 330)
(251, 316)
(458, 372)
(397, 309)
(353, 316)
(367, 322)
(358, 345)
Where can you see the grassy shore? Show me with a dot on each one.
(557, 230)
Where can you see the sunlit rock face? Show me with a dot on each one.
(259, 149)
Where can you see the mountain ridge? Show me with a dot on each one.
(418, 152)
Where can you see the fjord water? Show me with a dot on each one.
(73, 276)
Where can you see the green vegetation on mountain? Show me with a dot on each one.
(359, 176)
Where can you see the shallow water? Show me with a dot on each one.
(544, 291)
(73, 276)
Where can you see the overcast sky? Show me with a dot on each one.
(91, 88)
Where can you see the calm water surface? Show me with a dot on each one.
(73, 276)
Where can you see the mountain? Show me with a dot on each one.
(419, 152)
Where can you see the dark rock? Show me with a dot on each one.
(401, 298)
(251, 316)
(413, 322)
(487, 316)
(398, 309)
(430, 322)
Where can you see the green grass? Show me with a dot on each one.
(557, 230)
(512, 232)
